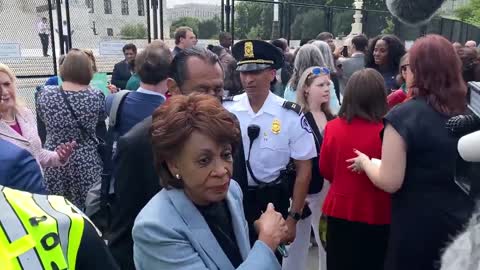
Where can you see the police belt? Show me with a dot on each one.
(285, 181)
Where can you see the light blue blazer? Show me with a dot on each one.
(170, 233)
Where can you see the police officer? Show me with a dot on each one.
(274, 134)
(47, 232)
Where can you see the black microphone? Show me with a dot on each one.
(462, 125)
(253, 132)
(414, 12)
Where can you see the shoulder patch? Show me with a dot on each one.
(292, 106)
(305, 125)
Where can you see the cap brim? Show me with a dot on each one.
(252, 67)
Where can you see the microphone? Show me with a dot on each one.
(469, 147)
(462, 125)
(253, 132)
(414, 12)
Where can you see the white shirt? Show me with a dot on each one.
(42, 28)
(284, 134)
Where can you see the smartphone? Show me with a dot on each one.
(345, 51)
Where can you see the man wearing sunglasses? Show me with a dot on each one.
(277, 139)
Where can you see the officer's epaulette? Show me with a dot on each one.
(292, 106)
(229, 98)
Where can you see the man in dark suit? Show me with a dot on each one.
(122, 71)
(356, 62)
(192, 70)
(153, 66)
(18, 169)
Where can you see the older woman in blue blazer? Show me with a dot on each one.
(197, 221)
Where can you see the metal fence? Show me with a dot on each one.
(105, 25)
(298, 21)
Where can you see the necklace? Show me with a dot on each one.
(10, 122)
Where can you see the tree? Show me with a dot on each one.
(209, 29)
(134, 31)
(247, 16)
(185, 21)
(470, 12)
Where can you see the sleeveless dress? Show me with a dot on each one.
(84, 167)
(430, 209)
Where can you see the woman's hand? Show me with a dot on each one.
(358, 163)
(65, 150)
(112, 88)
(271, 227)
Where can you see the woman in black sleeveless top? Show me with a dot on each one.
(313, 94)
(418, 160)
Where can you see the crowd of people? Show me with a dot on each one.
(237, 156)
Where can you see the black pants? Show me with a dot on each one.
(44, 40)
(355, 245)
(255, 202)
(64, 43)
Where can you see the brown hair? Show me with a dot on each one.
(437, 71)
(153, 64)
(181, 32)
(364, 97)
(177, 119)
(76, 68)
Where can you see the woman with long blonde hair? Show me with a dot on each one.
(313, 94)
(18, 125)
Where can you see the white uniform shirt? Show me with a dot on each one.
(42, 28)
(283, 135)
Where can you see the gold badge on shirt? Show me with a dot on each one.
(276, 126)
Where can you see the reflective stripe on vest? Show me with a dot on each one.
(38, 232)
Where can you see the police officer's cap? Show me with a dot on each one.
(253, 55)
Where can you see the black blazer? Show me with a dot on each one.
(136, 182)
(121, 74)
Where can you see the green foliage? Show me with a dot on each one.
(185, 21)
(308, 25)
(134, 31)
(469, 13)
(255, 19)
(390, 29)
(255, 33)
(209, 29)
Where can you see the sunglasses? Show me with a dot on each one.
(319, 71)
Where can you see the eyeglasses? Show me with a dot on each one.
(404, 67)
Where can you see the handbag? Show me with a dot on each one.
(102, 147)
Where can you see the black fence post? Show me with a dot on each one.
(227, 16)
(69, 27)
(52, 36)
(59, 22)
(161, 20)
(289, 23)
(222, 12)
(149, 28)
(233, 17)
(155, 18)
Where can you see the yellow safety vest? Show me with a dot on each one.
(38, 231)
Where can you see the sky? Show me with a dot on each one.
(171, 3)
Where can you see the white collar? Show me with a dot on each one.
(150, 92)
(269, 106)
